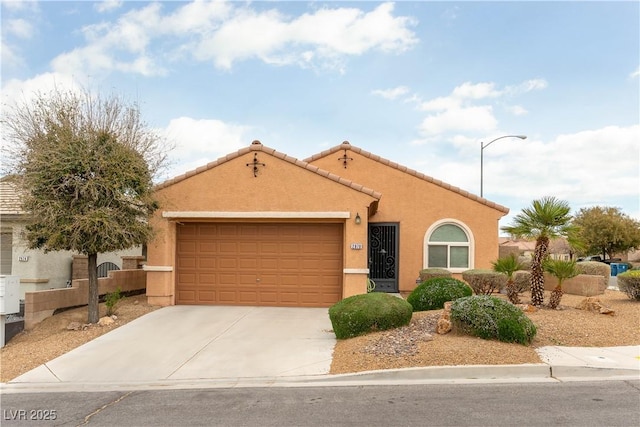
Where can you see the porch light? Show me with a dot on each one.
(358, 219)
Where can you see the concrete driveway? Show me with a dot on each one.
(200, 342)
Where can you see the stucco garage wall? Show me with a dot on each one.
(284, 186)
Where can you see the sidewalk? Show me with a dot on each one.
(561, 364)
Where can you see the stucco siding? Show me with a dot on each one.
(416, 204)
(282, 185)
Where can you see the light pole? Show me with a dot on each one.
(483, 146)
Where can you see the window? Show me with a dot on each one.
(448, 245)
(6, 256)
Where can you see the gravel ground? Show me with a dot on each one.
(418, 345)
(414, 345)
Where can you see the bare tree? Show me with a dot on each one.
(85, 165)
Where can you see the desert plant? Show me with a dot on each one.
(430, 273)
(521, 280)
(546, 219)
(509, 265)
(361, 314)
(484, 282)
(433, 293)
(562, 270)
(492, 318)
(594, 268)
(629, 283)
(111, 300)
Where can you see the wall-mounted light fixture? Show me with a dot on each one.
(358, 219)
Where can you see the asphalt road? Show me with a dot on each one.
(603, 403)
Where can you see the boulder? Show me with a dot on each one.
(74, 326)
(444, 323)
(594, 305)
(106, 321)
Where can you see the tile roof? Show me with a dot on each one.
(10, 200)
(346, 145)
(257, 146)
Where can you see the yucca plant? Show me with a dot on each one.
(509, 265)
(561, 270)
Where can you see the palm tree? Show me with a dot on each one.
(547, 218)
(562, 270)
(509, 265)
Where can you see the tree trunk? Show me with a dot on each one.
(94, 313)
(556, 296)
(537, 272)
(512, 292)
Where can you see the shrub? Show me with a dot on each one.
(110, 301)
(522, 280)
(629, 283)
(492, 318)
(594, 268)
(433, 293)
(361, 314)
(484, 282)
(430, 273)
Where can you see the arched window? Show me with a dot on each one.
(448, 244)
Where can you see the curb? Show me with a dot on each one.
(466, 374)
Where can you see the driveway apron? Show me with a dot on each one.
(200, 342)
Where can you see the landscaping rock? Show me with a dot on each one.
(594, 305)
(444, 323)
(74, 326)
(106, 321)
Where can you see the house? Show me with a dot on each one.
(36, 269)
(258, 227)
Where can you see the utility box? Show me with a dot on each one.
(9, 294)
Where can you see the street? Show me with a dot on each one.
(610, 403)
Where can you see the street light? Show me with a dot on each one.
(483, 146)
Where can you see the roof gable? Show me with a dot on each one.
(347, 146)
(256, 146)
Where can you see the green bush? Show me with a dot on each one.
(433, 293)
(629, 283)
(361, 314)
(522, 280)
(111, 299)
(594, 268)
(492, 318)
(484, 282)
(430, 273)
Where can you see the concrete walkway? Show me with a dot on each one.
(217, 346)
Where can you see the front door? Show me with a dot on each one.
(383, 256)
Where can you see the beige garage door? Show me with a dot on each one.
(293, 265)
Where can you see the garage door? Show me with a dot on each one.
(294, 265)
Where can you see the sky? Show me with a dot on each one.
(424, 84)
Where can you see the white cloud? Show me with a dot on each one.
(225, 33)
(9, 56)
(469, 90)
(517, 110)
(593, 167)
(635, 74)
(19, 28)
(108, 5)
(198, 142)
(25, 90)
(465, 119)
(393, 93)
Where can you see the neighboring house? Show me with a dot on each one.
(258, 227)
(37, 270)
(558, 248)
